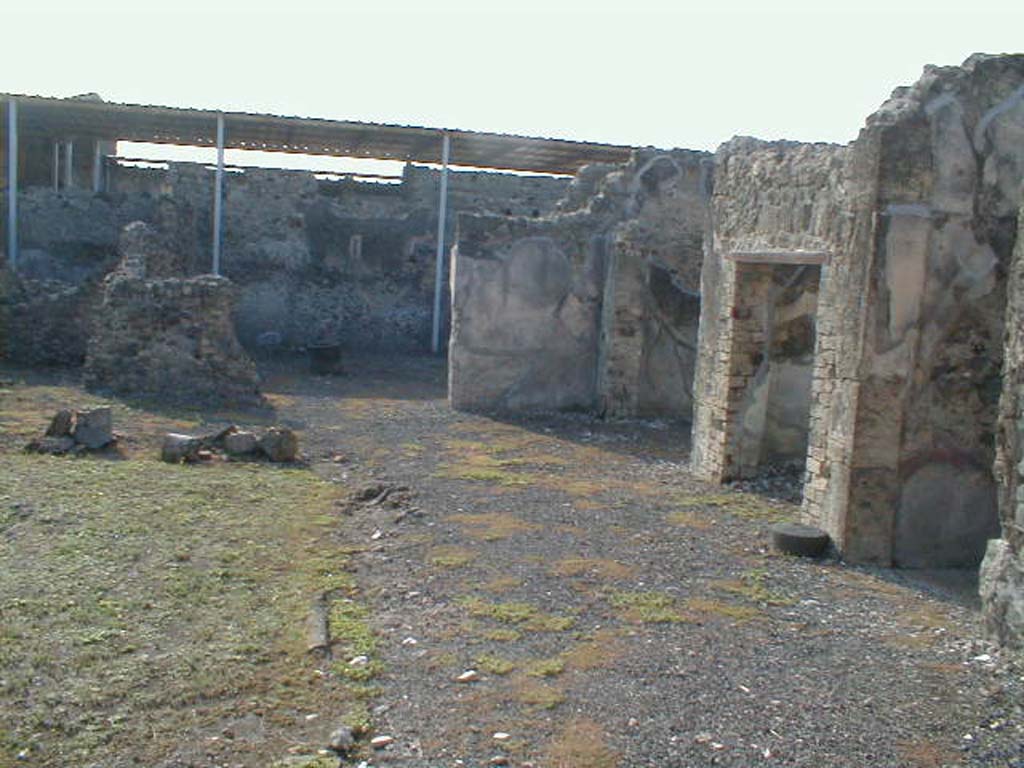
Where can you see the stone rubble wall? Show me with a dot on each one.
(167, 338)
(311, 257)
(618, 265)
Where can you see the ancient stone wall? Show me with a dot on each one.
(631, 233)
(1002, 571)
(312, 256)
(526, 299)
(775, 204)
(165, 337)
(902, 447)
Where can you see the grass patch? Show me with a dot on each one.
(496, 665)
(450, 556)
(743, 505)
(546, 667)
(600, 651)
(721, 609)
(646, 607)
(600, 567)
(523, 615)
(501, 635)
(580, 743)
(492, 526)
(753, 586)
(535, 694)
(690, 518)
(501, 584)
(177, 597)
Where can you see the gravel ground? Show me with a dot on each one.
(614, 611)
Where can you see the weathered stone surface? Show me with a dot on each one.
(280, 444)
(168, 338)
(1001, 584)
(909, 314)
(54, 445)
(240, 443)
(595, 307)
(177, 448)
(94, 429)
(61, 424)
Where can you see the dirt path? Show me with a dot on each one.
(618, 613)
(611, 610)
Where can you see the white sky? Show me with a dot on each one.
(687, 74)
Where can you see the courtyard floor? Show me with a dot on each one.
(601, 607)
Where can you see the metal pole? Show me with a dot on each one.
(218, 189)
(69, 166)
(442, 208)
(12, 182)
(56, 166)
(97, 168)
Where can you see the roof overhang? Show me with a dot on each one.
(62, 119)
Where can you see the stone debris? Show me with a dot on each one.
(177, 448)
(469, 676)
(341, 740)
(278, 444)
(380, 742)
(72, 431)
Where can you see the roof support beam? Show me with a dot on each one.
(442, 210)
(218, 192)
(69, 164)
(97, 167)
(12, 182)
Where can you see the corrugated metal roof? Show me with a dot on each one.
(88, 118)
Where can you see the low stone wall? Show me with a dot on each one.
(168, 338)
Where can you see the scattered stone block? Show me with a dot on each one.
(62, 424)
(56, 446)
(178, 448)
(280, 444)
(240, 443)
(94, 429)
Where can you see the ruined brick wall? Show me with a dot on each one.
(772, 202)
(164, 337)
(628, 255)
(651, 304)
(310, 256)
(908, 375)
(1002, 571)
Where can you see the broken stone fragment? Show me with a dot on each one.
(342, 740)
(53, 445)
(61, 424)
(240, 443)
(178, 448)
(94, 429)
(280, 444)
